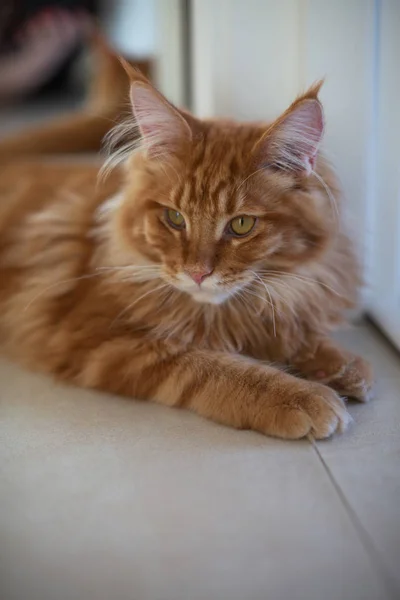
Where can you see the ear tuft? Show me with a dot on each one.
(133, 73)
(313, 90)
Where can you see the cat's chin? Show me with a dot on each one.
(209, 297)
(204, 295)
(208, 293)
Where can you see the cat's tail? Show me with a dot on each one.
(84, 129)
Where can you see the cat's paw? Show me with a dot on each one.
(308, 409)
(354, 379)
(348, 374)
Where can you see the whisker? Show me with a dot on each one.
(135, 272)
(303, 278)
(170, 166)
(57, 283)
(128, 267)
(139, 277)
(157, 289)
(247, 178)
(239, 295)
(328, 191)
(265, 300)
(99, 271)
(280, 297)
(271, 301)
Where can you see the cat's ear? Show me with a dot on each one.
(162, 127)
(293, 140)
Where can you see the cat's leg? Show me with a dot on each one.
(348, 374)
(228, 389)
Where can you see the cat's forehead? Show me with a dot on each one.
(213, 177)
(201, 193)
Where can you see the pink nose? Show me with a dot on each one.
(199, 276)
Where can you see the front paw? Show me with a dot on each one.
(348, 374)
(353, 380)
(306, 408)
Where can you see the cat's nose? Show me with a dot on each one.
(199, 275)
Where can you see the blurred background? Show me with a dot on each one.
(247, 60)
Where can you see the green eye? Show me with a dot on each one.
(242, 225)
(175, 219)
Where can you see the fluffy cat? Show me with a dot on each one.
(213, 255)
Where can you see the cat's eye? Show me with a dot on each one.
(174, 218)
(241, 225)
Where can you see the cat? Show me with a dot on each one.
(205, 268)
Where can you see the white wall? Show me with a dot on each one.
(150, 29)
(131, 26)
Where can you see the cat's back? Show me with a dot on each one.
(45, 208)
(30, 186)
(46, 215)
(45, 203)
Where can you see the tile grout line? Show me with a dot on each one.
(364, 537)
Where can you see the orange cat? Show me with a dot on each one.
(212, 255)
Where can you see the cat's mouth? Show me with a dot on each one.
(202, 293)
(211, 291)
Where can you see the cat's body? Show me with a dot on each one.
(55, 228)
(97, 286)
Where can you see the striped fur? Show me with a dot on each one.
(94, 287)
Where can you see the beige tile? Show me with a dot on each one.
(365, 462)
(377, 421)
(369, 477)
(106, 498)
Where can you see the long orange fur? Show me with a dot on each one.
(92, 276)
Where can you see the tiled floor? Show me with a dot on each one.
(107, 499)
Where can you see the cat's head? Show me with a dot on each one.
(217, 204)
